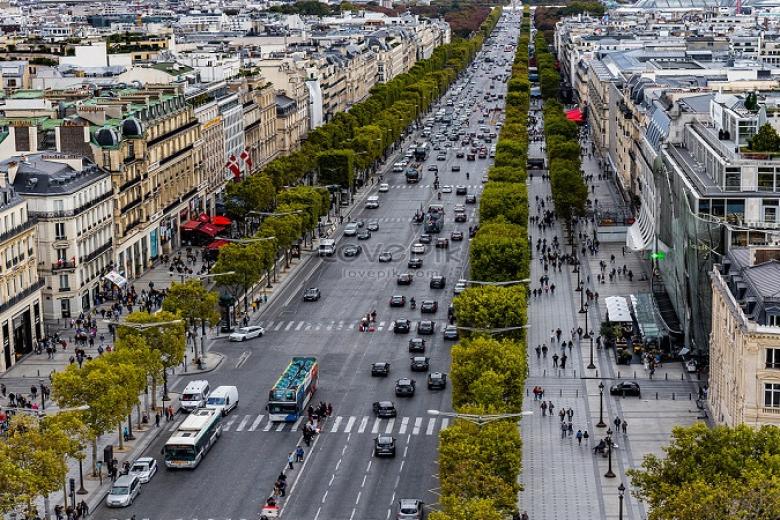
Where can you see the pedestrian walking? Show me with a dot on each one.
(544, 408)
(585, 436)
(299, 454)
(290, 460)
(617, 422)
(157, 419)
(624, 425)
(170, 412)
(564, 429)
(562, 414)
(550, 407)
(579, 437)
(538, 351)
(555, 360)
(544, 349)
(563, 361)
(570, 413)
(570, 429)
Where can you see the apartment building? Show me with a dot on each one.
(71, 200)
(292, 100)
(745, 338)
(258, 102)
(21, 319)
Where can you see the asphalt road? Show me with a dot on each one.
(341, 480)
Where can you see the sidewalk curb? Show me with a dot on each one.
(220, 357)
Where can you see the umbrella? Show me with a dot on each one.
(221, 220)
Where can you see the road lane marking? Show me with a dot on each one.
(281, 426)
(404, 425)
(338, 464)
(256, 423)
(324, 496)
(270, 324)
(444, 423)
(363, 423)
(268, 425)
(390, 425)
(350, 423)
(353, 514)
(336, 424)
(360, 492)
(242, 359)
(431, 424)
(375, 427)
(289, 325)
(340, 325)
(242, 424)
(332, 477)
(172, 426)
(279, 325)
(297, 423)
(318, 513)
(330, 326)
(300, 325)
(417, 423)
(229, 424)
(307, 327)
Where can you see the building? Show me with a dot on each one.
(258, 102)
(745, 338)
(21, 320)
(71, 200)
(292, 101)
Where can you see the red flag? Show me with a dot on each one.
(233, 166)
(247, 159)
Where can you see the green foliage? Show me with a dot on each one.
(336, 167)
(499, 252)
(509, 200)
(492, 307)
(192, 302)
(766, 140)
(254, 193)
(713, 473)
(246, 261)
(305, 8)
(167, 341)
(751, 101)
(454, 508)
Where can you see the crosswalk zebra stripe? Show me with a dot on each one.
(307, 327)
(330, 326)
(269, 325)
(256, 423)
(279, 325)
(445, 422)
(350, 423)
(242, 424)
(300, 325)
(390, 425)
(417, 423)
(229, 424)
(375, 427)
(336, 424)
(431, 424)
(363, 423)
(281, 426)
(289, 325)
(268, 425)
(297, 423)
(404, 425)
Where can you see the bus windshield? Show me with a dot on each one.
(282, 408)
(179, 453)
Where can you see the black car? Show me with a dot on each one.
(404, 387)
(461, 190)
(402, 326)
(352, 250)
(397, 300)
(385, 256)
(437, 381)
(425, 239)
(456, 167)
(433, 168)
(384, 446)
(373, 225)
(461, 217)
(450, 332)
(471, 199)
(429, 306)
(625, 388)
(425, 327)
(311, 295)
(459, 154)
(381, 369)
(442, 243)
(416, 345)
(420, 364)
(363, 234)
(438, 282)
(456, 236)
(405, 279)
(384, 409)
(414, 262)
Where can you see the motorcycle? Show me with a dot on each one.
(413, 304)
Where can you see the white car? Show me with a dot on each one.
(460, 287)
(384, 187)
(351, 229)
(446, 189)
(144, 468)
(418, 249)
(245, 333)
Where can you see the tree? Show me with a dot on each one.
(766, 140)
(713, 473)
(193, 303)
(337, 167)
(509, 200)
(247, 262)
(491, 307)
(458, 509)
(499, 252)
(254, 193)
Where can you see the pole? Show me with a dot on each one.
(591, 366)
(130, 436)
(582, 301)
(601, 406)
(43, 395)
(587, 334)
(621, 491)
(609, 473)
(81, 490)
(165, 386)
(579, 286)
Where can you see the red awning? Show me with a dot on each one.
(575, 115)
(203, 217)
(221, 220)
(210, 229)
(192, 225)
(217, 244)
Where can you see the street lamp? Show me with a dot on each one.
(609, 473)
(579, 283)
(587, 334)
(43, 394)
(582, 298)
(621, 492)
(480, 420)
(601, 423)
(591, 366)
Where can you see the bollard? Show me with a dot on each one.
(597, 373)
(560, 393)
(656, 396)
(690, 397)
(682, 376)
(673, 396)
(526, 392)
(651, 375)
(666, 376)
(618, 376)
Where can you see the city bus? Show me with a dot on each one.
(421, 152)
(288, 398)
(192, 439)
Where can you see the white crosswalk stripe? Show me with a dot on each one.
(300, 325)
(390, 425)
(336, 424)
(229, 424)
(375, 427)
(404, 424)
(257, 422)
(431, 424)
(350, 423)
(417, 423)
(290, 324)
(268, 426)
(297, 424)
(243, 422)
(364, 424)
(279, 325)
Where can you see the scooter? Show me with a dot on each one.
(413, 304)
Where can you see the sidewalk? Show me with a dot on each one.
(561, 478)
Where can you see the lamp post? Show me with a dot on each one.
(591, 366)
(43, 394)
(621, 492)
(587, 334)
(582, 298)
(601, 423)
(579, 283)
(609, 473)
(480, 420)
(81, 490)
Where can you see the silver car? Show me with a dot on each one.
(123, 491)
(410, 509)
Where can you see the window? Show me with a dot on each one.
(771, 395)
(773, 320)
(62, 254)
(59, 231)
(65, 307)
(64, 283)
(773, 355)
(733, 180)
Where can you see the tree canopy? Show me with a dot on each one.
(766, 140)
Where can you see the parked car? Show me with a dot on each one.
(124, 491)
(245, 333)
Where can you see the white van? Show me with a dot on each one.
(195, 395)
(223, 398)
(372, 202)
(327, 247)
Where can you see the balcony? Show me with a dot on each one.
(18, 229)
(72, 212)
(772, 411)
(97, 252)
(130, 205)
(60, 266)
(20, 296)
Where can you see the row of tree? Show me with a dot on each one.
(97, 396)
(479, 464)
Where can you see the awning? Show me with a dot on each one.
(575, 115)
(221, 220)
(217, 244)
(617, 309)
(117, 279)
(203, 217)
(210, 229)
(192, 225)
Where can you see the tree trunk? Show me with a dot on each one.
(121, 438)
(46, 507)
(138, 421)
(94, 457)
(154, 393)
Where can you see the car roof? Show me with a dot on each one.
(125, 480)
(143, 459)
(383, 437)
(404, 380)
(386, 403)
(419, 358)
(409, 501)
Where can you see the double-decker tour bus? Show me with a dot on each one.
(288, 398)
(193, 438)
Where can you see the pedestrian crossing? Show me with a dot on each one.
(332, 325)
(471, 187)
(237, 422)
